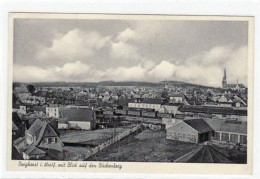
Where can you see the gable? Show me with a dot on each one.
(182, 127)
(49, 132)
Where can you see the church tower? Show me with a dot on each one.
(224, 80)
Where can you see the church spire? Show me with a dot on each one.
(224, 80)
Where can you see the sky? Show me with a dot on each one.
(52, 50)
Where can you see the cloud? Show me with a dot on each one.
(126, 35)
(205, 68)
(72, 70)
(24, 73)
(124, 51)
(162, 71)
(75, 44)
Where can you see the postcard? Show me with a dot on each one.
(113, 93)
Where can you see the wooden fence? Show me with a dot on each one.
(111, 141)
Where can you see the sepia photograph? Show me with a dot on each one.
(130, 88)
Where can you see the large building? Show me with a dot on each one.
(225, 85)
(229, 130)
(194, 130)
(146, 103)
(77, 117)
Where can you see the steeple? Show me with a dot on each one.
(224, 80)
(225, 75)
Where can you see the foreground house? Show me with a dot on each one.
(39, 140)
(194, 130)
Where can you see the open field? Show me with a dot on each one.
(147, 146)
(95, 137)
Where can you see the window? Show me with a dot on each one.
(217, 136)
(243, 139)
(234, 138)
(193, 138)
(175, 136)
(53, 140)
(179, 136)
(225, 137)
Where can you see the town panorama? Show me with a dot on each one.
(127, 90)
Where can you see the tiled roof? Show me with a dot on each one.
(204, 154)
(32, 150)
(176, 95)
(36, 127)
(212, 110)
(146, 100)
(41, 129)
(39, 108)
(17, 141)
(228, 126)
(80, 114)
(234, 85)
(198, 124)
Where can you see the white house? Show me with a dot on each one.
(22, 110)
(52, 111)
(176, 98)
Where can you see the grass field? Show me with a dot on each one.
(147, 146)
(94, 137)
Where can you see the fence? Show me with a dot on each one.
(111, 141)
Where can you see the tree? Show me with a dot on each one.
(14, 99)
(31, 88)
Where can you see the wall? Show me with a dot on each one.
(182, 132)
(145, 106)
(62, 126)
(52, 112)
(230, 137)
(85, 125)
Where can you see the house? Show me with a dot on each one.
(22, 110)
(170, 108)
(52, 111)
(194, 130)
(176, 98)
(169, 122)
(39, 140)
(81, 118)
(38, 110)
(229, 130)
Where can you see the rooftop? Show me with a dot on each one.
(198, 124)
